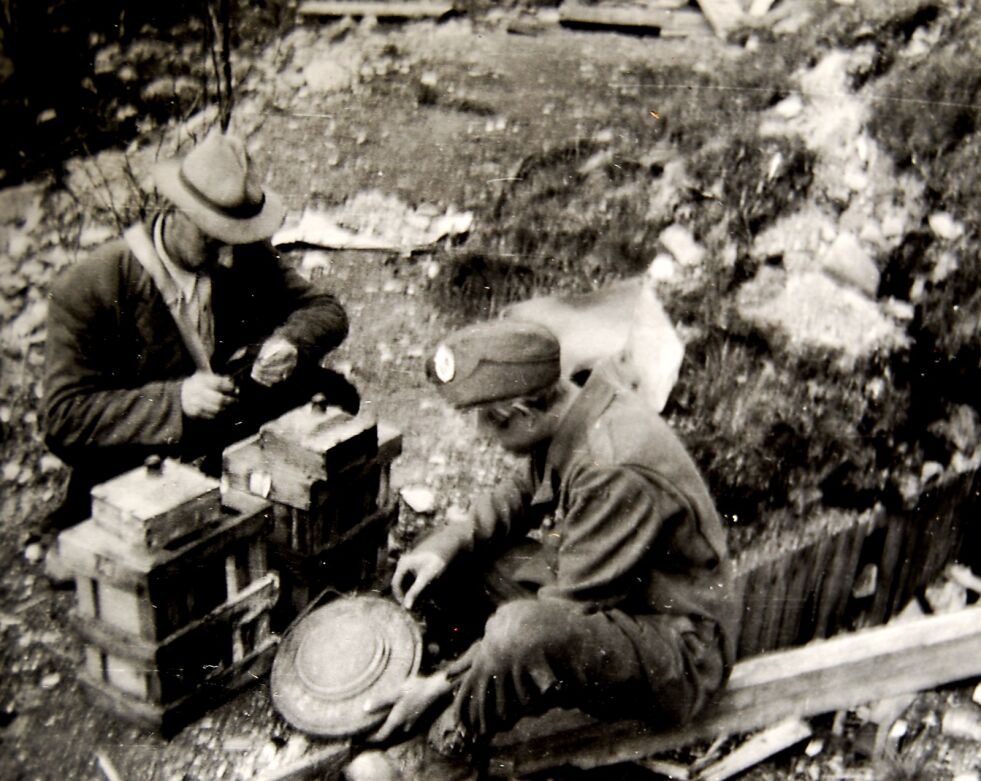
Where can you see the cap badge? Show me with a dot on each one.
(444, 364)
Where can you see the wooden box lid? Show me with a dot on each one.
(319, 440)
(156, 503)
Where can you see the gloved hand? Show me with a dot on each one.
(275, 362)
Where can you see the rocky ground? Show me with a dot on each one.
(813, 244)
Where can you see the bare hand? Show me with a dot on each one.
(423, 567)
(417, 695)
(275, 362)
(204, 395)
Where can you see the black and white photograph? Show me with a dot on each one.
(458, 390)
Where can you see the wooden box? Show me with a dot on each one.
(166, 672)
(150, 593)
(156, 504)
(309, 514)
(319, 442)
(349, 563)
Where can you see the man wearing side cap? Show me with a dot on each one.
(624, 607)
(187, 333)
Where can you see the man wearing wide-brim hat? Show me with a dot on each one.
(185, 334)
(621, 604)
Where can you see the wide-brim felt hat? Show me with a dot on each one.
(354, 650)
(217, 186)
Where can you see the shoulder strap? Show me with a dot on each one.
(142, 248)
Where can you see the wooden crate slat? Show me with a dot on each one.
(668, 21)
(910, 563)
(151, 593)
(246, 606)
(91, 550)
(169, 717)
(165, 673)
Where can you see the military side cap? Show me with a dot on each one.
(494, 361)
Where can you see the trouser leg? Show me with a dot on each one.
(540, 654)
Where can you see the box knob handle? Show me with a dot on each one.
(154, 465)
(319, 402)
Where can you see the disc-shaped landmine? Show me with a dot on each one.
(350, 652)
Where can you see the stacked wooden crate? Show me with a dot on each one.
(327, 474)
(173, 593)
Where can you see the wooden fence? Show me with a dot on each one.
(859, 573)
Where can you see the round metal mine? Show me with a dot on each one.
(349, 652)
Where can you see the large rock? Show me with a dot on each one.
(847, 261)
(810, 309)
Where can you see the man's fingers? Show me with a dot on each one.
(410, 596)
(402, 572)
(384, 732)
(223, 384)
(373, 706)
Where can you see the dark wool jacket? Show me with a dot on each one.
(115, 358)
(632, 525)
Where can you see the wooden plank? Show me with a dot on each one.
(888, 565)
(814, 587)
(776, 594)
(832, 585)
(382, 10)
(772, 740)
(821, 677)
(859, 534)
(723, 15)
(754, 606)
(94, 552)
(909, 566)
(801, 567)
(668, 21)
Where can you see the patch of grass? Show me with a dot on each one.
(566, 221)
(770, 430)
(758, 179)
(926, 108)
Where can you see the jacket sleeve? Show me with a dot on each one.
(495, 516)
(87, 403)
(309, 317)
(614, 517)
